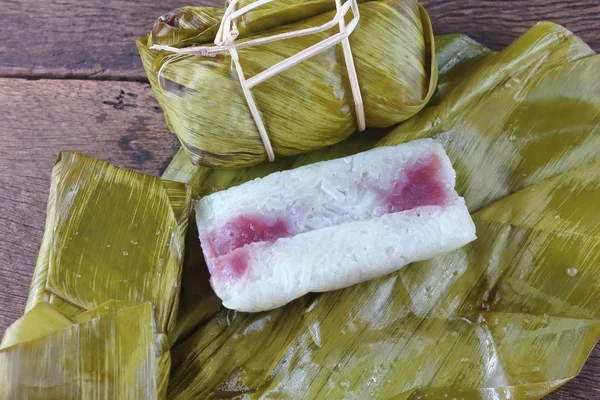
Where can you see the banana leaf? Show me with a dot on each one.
(188, 25)
(161, 341)
(512, 315)
(195, 288)
(111, 356)
(111, 234)
(40, 321)
(204, 105)
(281, 12)
(113, 238)
(106, 308)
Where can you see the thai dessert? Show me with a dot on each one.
(331, 224)
(120, 304)
(306, 107)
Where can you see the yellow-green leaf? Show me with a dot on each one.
(111, 234)
(162, 344)
(113, 239)
(516, 308)
(512, 315)
(106, 308)
(40, 321)
(108, 357)
(204, 105)
(527, 113)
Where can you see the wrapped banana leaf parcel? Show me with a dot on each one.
(105, 291)
(287, 77)
(512, 315)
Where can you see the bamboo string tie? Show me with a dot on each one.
(225, 42)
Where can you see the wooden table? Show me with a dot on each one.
(71, 78)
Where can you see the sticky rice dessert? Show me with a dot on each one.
(331, 224)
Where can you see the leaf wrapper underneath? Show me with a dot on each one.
(512, 315)
(108, 357)
(39, 322)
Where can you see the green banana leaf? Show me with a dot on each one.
(512, 315)
(40, 321)
(281, 12)
(185, 25)
(106, 308)
(161, 341)
(65, 364)
(204, 105)
(113, 238)
(111, 234)
(196, 25)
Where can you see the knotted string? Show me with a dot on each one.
(225, 42)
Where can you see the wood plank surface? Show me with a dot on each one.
(496, 23)
(77, 39)
(95, 38)
(119, 122)
(92, 44)
(586, 386)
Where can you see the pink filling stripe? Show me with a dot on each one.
(245, 229)
(422, 187)
(419, 184)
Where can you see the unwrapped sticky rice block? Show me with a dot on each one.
(331, 224)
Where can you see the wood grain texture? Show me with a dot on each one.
(586, 386)
(77, 39)
(496, 23)
(95, 39)
(119, 122)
